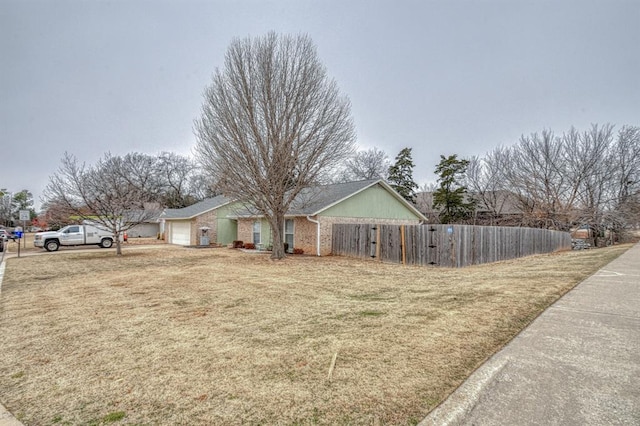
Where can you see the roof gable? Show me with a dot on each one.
(312, 201)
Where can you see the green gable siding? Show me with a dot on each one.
(227, 231)
(374, 202)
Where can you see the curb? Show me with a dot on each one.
(460, 403)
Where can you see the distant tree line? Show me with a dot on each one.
(585, 178)
(588, 179)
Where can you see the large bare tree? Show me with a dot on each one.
(110, 193)
(625, 208)
(272, 124)
(537, 176)
(590, 167)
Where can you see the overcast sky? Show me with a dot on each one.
(442, 77)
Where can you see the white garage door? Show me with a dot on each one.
(181, 233)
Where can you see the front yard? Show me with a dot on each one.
(179, 336)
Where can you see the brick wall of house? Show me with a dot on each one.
(245, 230)
(305, 231)
(304, 235)
(209, 219)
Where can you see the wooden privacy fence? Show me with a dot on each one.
(444, 245)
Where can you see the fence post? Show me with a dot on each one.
(402, 245)
(431, 254)
(374, 241)
(452, 242)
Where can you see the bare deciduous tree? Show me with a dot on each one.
(536, 175)
(364, 165)
(104, 193)
(55, 214)
(590, 168)
(272, 124)
(625, 209)
(487, 186)
(588, 178)
(424, 201)
(176, 174)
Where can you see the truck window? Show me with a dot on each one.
(72, 229)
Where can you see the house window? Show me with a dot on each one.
(257, 228)
(288, 233)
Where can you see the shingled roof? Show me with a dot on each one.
(196, 209)
(312, 201)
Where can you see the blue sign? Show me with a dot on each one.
(18, 234)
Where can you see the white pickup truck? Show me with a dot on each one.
(73, 235)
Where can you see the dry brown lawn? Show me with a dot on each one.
(186, 336)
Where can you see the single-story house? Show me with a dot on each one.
(149, 225)
(309, 222)
(207, 218)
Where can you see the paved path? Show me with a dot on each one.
(577, 364)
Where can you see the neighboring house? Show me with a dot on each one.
(499, 208)
(186, 226)
(150, 226)
(492, 208)
(309, 223)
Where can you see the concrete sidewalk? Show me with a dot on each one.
(576, 364)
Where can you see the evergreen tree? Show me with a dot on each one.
(450, 196)
(401, 176)
(22, 200)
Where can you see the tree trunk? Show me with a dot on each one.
(277, 227)
(118, 247)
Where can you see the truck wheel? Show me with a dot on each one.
(51, 245)
(106, 243)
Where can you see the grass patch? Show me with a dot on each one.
(109, 418)
(221, 337)
(370, 313)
